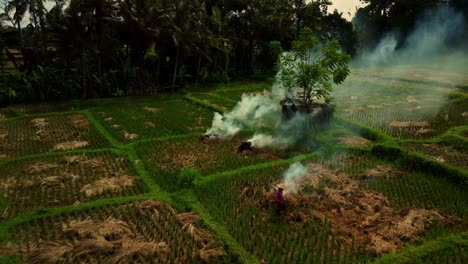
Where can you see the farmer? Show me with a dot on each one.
(279, 199)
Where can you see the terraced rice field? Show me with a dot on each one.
(131, 180)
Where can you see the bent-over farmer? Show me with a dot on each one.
(279, 199)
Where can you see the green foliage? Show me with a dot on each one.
(313, 69)
(187, 176)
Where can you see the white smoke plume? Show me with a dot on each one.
(428, 39)
(292, 177)
(262, 114)
(253, 111)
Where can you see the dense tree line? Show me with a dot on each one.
(100, 48)
(90, 48)
(380, 17)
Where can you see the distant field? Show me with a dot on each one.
(130, 180)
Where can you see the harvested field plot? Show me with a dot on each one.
(143, 232)
(429, 76)
(334, 217)
(204, 156)
(441, 153)
(45, 134)
(400, 111)
(134, 121)
(65, 180)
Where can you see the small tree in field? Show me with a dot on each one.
(312, 68)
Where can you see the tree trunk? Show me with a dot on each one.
(20, 30)
(175, 70)
(198, 70)
(83, 74)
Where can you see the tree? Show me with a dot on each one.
(313, 68)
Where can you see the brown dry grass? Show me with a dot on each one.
(49, 252)
(151, 109)
(210, 248)
(138, 246)
(40, 167)
(128, 135)
(381, 171)
(357, 214)
(204, 153)
(71, 145)
(409, 124)
(39, 122)
(113, 184)
(111, 236)
(79, 121)
(150, 124)
(8, 249)
(354, 141)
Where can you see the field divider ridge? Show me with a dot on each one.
(220, 230)
(415, 160)
(138, 165)
(101, 129)
(213, 177)
(213, 107)
(411, 253)
(214, 94)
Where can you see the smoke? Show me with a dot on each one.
(262, 114)
(431, 37)
(292, 176)
(253, 111)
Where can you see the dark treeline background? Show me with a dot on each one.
(103, 48)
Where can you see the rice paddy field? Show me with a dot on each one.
(132, 180)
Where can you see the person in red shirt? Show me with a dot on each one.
(279, 199)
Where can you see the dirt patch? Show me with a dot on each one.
(357, 215)
(411, 99)
(113, 184)
(3, 133)
(71, 145)
(39, 122)
(151, 109)
(425, 131)
(374, 106)
(354, 141)
(409, 124)
(79, 121)
(8, 249)
(150, 124)
(129, 136)
(464, 114)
